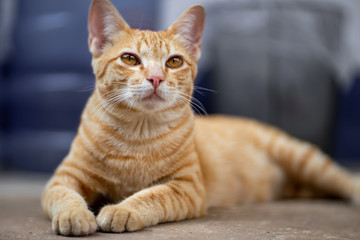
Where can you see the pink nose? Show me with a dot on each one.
(155, 81)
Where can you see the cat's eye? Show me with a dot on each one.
(174, 62)
(130, 59)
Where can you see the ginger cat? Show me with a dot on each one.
(140, 146)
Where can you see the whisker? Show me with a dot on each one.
(198, 89)
(87, 89)
(112, 98)
(205, 89)
(197, 105)
(118, 83)
(132, 103)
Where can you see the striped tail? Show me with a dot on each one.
(307, 165)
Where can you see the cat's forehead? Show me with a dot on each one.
(149, 44)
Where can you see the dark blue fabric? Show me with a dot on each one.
(49, 78)
(348, 139)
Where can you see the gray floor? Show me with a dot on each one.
(21, 218)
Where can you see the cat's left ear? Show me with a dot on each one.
(104, 22)
(189, 28)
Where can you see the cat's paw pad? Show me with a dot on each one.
(119, 219)
(76, 222)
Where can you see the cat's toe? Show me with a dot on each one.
(76, 222)
(134, 222)
(118, 219)
(105, 219)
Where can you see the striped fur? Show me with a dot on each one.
(143, 149)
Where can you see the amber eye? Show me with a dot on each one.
(130, 59)
(174, 62)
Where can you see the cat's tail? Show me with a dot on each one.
(306, 164)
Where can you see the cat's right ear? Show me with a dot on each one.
(104, 22)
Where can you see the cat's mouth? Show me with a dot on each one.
(153, 97)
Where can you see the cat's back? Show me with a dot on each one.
(223, 127)
(218, 134)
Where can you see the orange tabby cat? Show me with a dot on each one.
(140, 146)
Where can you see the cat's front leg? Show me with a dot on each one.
(66, 207)
(68, 212)
(178, 199)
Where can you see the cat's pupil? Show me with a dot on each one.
(130, 59)
(174, 62)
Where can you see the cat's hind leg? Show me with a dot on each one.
(306, 164)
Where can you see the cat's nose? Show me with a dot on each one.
(155, 81)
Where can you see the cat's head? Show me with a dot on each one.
(144, 70)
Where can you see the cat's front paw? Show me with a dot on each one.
(76, 222)
(119, 219)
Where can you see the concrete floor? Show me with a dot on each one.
(21, 218)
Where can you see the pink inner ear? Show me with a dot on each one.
(95, 46)
(190, 26)
(198, 23)
(104, 21)
(96, 28)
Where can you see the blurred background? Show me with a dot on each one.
(291, 63)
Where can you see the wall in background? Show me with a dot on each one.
(330, 99)
(348, 131)
(46, 78)
(348, 60)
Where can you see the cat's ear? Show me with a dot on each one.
(104, 22)
(189, 27)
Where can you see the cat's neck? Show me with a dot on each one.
(137, 124)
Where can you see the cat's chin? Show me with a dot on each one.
(153, 102)
(153, 98)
